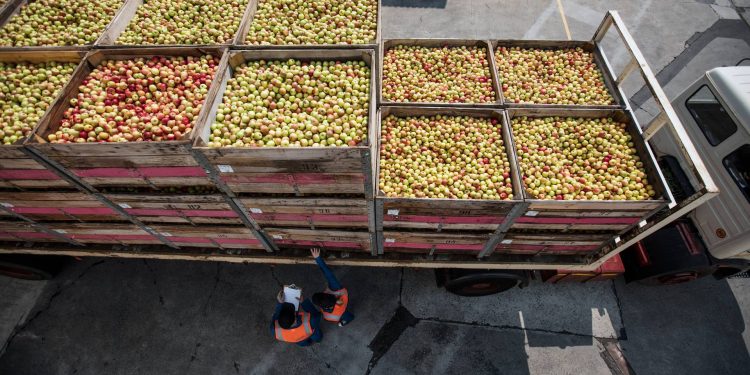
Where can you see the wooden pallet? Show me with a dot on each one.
(15, 230)
(46, 206)
(193, 209)
(432, 243)
(210, 236)
(551, 242)
(335, 240)
(581, 215)
(312, 213)
(446, 214)
(110, 233)
(250, 16)
(324, 171)
(18, 169)
(132, 164)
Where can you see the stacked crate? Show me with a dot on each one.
(300, 196)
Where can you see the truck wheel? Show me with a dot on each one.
(30, 267)
(470, 283)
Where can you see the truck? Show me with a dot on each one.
(699, 145)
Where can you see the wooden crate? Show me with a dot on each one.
(127, 14)
(336, 240)
(312, 213)
(588, 46)
(446, 214)
(18, 169)
(250, 16)
(46, 206)
(434, 43)
(210, 236)
(176, 208)
(551, 242)
(13, 7)
(567, 216)
(300, 171)
(109, 233)
(432, 243)
(131, 164)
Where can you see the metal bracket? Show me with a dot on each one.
(502, 229)
(41, 227)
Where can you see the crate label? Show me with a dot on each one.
(6, 204)
(532, 213)
(393, 212)
(256, 210)
(617, 239)
(223, 168)
(60, 230)
(124, 205)
(390, 240)
(166, 234)
(506, 242)
(278, 237)
(642, 223)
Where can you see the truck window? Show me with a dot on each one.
(710, 115)
(738, 165)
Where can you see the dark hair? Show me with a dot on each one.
(324, 300)
(287, 316)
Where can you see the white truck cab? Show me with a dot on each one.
(715, 111)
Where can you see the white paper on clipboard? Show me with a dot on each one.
(292, 295)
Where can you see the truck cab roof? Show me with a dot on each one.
(733, 86)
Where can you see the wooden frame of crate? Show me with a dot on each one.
(589, 46)
(250, 17)
(444, 225)
(127, 14)
(560, 225)
(304, 183)
(435, 43)
(12, 8)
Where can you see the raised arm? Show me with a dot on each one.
(333, 283)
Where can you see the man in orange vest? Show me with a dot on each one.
(332, 302)
(300, 327)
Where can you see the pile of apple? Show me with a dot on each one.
(285, 22)
(579, 159)
(184, 22)
(59, 22)
(143, 99)
(440, 156)
(551, 76)
(443, 74)
(294, 104)
(26, 91)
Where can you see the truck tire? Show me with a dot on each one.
(31, 267)
(477, 283)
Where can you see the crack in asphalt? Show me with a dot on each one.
(153, 278)
(62, 286)
(276, 278)
(213, 289)
(511, 327)
(623, 335)
(328, 365)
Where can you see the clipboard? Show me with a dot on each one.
(292, 294)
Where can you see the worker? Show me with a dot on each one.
(301, 327)
(334, 301)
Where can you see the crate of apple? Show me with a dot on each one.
(569, 158)
(437, 74)
(294, 122)
(314, 22)
(142, 99)
(58, 22)
(551, 76)
(184, 22)
(26, 91)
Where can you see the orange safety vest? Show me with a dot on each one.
(339, 308)
(297, 334)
